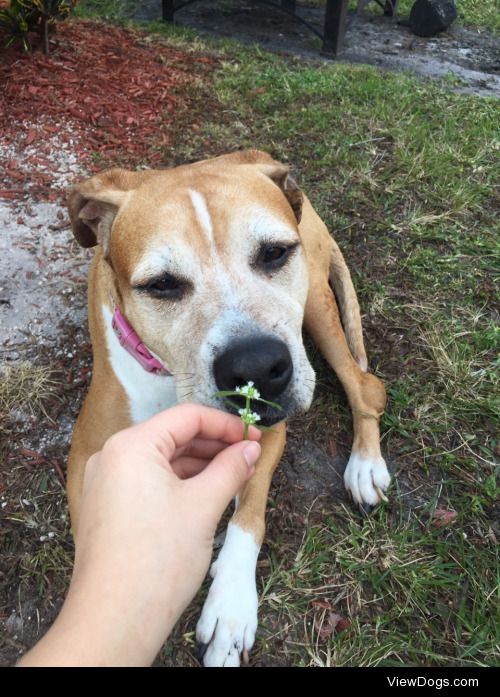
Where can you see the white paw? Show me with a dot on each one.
(363, 476)
(228, 621)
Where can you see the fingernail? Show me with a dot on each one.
(251, 453)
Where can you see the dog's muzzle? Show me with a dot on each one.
(263, 360)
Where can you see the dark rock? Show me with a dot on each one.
(429, 17)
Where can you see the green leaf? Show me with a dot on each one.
(272, 404)
(232, 393)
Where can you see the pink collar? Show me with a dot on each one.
(132, 343)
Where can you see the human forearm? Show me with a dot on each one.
(105, 626)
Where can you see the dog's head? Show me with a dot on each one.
(208, 268)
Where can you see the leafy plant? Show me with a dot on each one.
(15, 23)
(20, 17)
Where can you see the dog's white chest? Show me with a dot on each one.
(147, 393)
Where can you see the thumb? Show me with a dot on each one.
(227, 473)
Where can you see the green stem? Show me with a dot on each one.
(247, 407)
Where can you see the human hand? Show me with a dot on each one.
(151, 502)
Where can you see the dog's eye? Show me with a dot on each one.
(273, 253)
(274, 256)
(166, 287)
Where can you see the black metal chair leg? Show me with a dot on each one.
(391, 8)
(167, 10)
(333, 35)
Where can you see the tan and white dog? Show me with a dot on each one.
(217, 266)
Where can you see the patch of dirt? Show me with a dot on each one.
(312, 470)
(35, 537)
(43, 276)
(33, 455)
(470, 56)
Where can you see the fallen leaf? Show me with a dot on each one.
(332, 447)
(443, 517)
(332, 624)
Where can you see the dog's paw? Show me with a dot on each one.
(228, 621)
(366, 479)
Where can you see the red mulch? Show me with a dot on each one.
(106, 94)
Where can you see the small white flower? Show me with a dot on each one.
(248, 417)
(248, 390)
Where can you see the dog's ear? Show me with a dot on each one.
(94, 203)
(280, 176)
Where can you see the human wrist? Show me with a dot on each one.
(132, 607)
(103, 624)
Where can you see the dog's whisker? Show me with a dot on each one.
(184, 378)
(187, 396)
(183, 381)
(189, 382)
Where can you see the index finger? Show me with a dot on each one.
(175, 427)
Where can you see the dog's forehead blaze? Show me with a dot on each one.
(196, 205)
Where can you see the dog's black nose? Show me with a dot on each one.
(265, 361)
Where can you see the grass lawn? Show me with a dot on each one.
(405, 174)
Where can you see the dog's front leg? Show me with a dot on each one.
(366, 476)
(228, 621)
